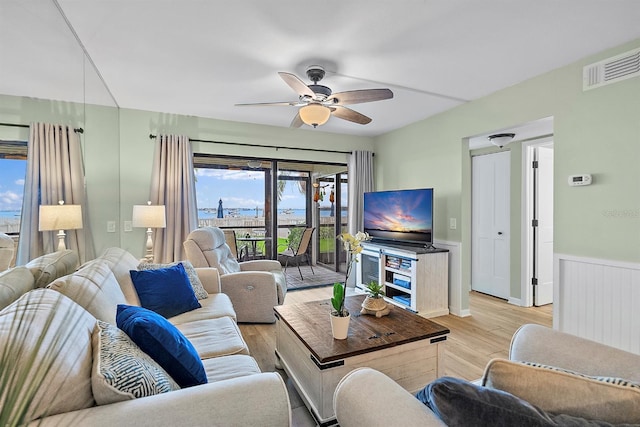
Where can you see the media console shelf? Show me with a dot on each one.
(414, 277)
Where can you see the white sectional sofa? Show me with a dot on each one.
(75, 304)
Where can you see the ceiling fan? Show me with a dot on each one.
(317, 102)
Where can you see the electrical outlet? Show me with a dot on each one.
(452, 223)
(127, 226)
(111, 226)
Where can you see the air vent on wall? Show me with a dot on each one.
(611, 70)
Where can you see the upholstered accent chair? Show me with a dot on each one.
(254, 287)
(7, 248)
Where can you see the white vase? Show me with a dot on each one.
(340, 326)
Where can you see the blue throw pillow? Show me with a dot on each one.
(167, 291)
(163, 343)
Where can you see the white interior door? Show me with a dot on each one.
(544, 234)
(490, 241)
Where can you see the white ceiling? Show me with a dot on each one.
(200, 57)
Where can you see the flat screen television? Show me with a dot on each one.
(403, 216)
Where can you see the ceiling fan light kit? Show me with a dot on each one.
(318, 103)
(501, 139)
(314, 114)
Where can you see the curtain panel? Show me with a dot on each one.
(360, 182)
(173, 185)
(55, 171)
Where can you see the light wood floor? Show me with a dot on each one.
(473, 341)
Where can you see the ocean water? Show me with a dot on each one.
(208, 213)
(10, 215)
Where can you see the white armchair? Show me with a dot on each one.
(254, 287)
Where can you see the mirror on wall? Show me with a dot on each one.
(47, 77)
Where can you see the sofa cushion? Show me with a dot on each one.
(49, 267)
(227, 367)
(95, 288)
(121, 262)
(194, 280)
(217, 305)
(460, 403)
(45, 341)
(121, 371)
(214, 337)
(13, 284)
(564, 392)
(164, 343)
(167, 291)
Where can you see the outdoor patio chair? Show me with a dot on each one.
(230, 238)
(254, 287)
(300, 251)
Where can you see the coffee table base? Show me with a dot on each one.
(412, 365)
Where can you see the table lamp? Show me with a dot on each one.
(60, 217)
(148, 216)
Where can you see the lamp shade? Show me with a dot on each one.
(149, 216)
(60, 217)
(314, 114)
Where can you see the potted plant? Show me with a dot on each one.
(340, 315)
(374, 300)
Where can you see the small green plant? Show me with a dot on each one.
(337, 300)
(374, 289)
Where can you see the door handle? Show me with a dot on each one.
(499, 233)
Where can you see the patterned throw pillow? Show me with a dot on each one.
(121, 371)
(196, 284)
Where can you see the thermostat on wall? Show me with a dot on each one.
(583, 179)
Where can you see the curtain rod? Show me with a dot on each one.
(152, 136)
(15, 125)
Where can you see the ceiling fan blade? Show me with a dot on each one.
(360, 96)
(296, 84)
(296, 122)
(269, 104)
(349, 114)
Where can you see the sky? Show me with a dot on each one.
(12, 174)
(240, 189)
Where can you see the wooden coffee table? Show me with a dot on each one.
(406, 347)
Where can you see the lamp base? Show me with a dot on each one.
(149, 254)
(61, 245)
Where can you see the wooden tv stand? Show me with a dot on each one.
(415, 278)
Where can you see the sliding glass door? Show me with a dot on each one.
(268, 203)
(330, 191)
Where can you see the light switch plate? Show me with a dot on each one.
(111, 226)
(452, 223)
(127, 226)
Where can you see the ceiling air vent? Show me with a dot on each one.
(611, 70)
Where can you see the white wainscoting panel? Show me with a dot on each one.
(455, 277)
(599, 300)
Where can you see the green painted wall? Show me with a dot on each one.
(595, 132)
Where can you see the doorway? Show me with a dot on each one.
(538, 244)
(490, 224)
